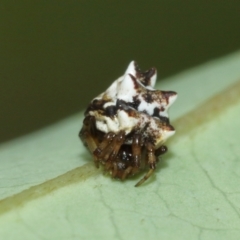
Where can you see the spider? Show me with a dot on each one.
(126, 126)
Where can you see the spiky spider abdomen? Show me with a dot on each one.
(126, 126)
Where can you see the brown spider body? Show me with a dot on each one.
(125, 127)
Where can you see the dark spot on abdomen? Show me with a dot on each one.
(110, 111)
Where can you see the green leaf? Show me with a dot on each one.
(50, 188)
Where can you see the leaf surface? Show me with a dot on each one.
(50, 188)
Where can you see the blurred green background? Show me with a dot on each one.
(55, 56)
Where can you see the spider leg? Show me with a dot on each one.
(151, 162)
(86, 136)
(103, 147)
(88, 140)
(136, 150)
(116, 145)
(126, 172)
(136, 157)
(112, 152)
(161, 150)
(111, 157)
(149, 173)
(114, 170)
(110, 146)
